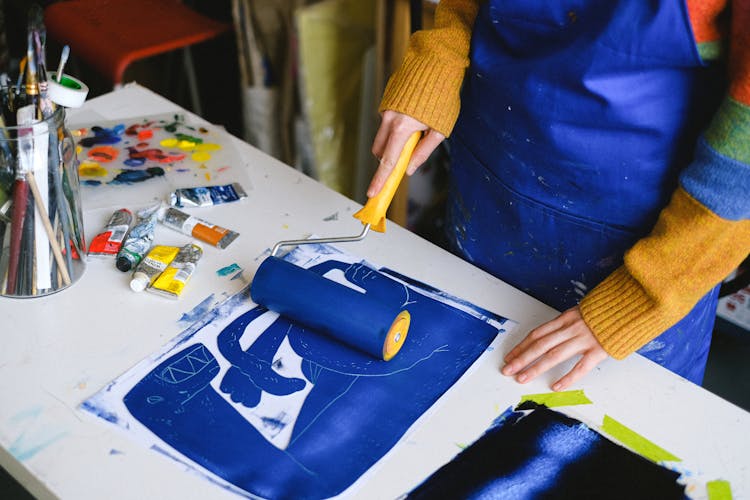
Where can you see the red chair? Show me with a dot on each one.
(111, 34)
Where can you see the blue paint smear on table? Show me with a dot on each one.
(26, 446)
(198, 311)
(357, 407)
(545, 454)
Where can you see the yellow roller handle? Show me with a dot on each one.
(374, 211)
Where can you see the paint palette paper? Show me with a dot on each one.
(135, 162)
(266, 408)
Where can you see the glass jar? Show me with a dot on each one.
(42, 246)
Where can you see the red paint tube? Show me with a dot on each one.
(109, 241)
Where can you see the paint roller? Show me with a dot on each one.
(347, 315)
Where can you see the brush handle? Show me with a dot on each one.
(375, 209)
(62, 267)
(20, 199)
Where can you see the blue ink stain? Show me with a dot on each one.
(237, 276)
(115, 452)
(273, 423)
(23, 415)
(24, 448)
(99, 412)
(92, 183)
(198, 311)
(133, 176)
(224, 271)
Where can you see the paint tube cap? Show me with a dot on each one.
(139, 281)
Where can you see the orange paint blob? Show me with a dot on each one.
(145, 134)
(103, 154)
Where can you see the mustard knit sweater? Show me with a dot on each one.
(699, 238)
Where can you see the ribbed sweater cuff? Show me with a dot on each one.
(622, 315)
(426, 89)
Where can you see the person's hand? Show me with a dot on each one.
(395, 129)
(552, 343)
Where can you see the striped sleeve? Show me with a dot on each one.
(699, 238)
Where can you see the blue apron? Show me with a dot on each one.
(576, 118)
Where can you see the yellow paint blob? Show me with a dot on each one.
(91, 169)
(207, 146)
(168, 143)
(186, 145)
(201, 156)
(208, 176)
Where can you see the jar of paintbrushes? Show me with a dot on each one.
(42, 247)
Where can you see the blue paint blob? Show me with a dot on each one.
(103, 136)
(134, 162)
(89, 182)
(135, 176)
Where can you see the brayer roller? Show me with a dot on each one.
(354, 318)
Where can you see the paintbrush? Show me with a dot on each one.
(20, 198)
(48, 228)
(63, 61)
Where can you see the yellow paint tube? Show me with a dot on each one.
(155, 262)
(172, 281)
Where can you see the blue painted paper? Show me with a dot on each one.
(268, 408)
(545, 454)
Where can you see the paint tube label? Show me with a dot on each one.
(193, 226)
(172, 281)
(109, 241)
(207, 196)
(138, 241)
(149, 269)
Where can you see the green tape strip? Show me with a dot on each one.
(636, 442)
(552, 399)
(719, 490)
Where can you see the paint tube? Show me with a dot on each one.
(109, 241)
(139, 239)
(206, 196)
(172, 281)
(197, 228)
(156, 261)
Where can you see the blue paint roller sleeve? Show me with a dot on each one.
(349, 316)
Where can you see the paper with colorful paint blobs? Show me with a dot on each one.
(141, 160)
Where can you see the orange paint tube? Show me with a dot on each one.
(198, 228)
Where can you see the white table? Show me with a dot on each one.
(61, 349)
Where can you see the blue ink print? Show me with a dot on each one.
(281, 411)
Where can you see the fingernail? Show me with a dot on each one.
(557, 387)
(522, 378)
(507, 370)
